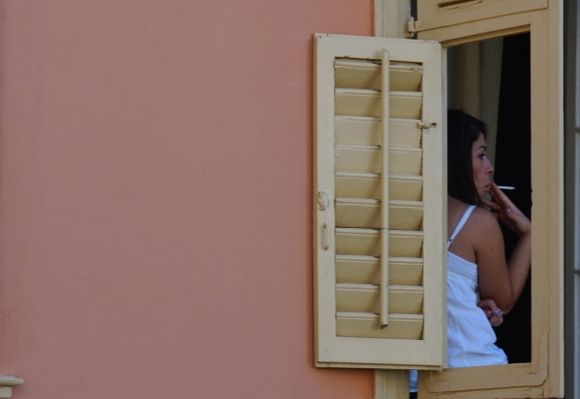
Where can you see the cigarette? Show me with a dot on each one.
(506, 187)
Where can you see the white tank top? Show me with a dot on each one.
(470, 337)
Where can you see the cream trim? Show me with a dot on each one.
(8, 380)
(435, 14)
(391, 18)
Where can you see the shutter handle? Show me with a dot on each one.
(384, 260)
(325, 245)
(323, 200)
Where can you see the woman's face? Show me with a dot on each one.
(482, 168)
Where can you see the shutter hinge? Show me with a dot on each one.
(323, 200)
(412, 28)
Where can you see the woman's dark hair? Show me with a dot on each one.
(462, 131)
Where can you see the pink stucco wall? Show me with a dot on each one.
(155, 190)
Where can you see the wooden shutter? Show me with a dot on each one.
(433, 14)
(379, 203)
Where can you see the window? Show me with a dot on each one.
(490, 79)
(542, 376)
(453, 23)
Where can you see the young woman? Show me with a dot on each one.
(476, 263)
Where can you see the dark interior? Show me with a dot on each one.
(512, 167)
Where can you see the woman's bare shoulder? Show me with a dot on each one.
(484, 221)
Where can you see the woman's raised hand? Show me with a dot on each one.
(507, 213)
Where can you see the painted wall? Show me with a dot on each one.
(155, 190)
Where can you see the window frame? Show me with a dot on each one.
(441, 13)
(546, 59)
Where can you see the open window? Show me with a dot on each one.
(490, 79)
(532, 36)
(373, 284)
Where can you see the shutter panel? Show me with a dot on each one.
(380, 201)
(434, 14)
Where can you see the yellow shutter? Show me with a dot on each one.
(432, 14)
(380, 200)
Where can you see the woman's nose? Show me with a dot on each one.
(490, 168)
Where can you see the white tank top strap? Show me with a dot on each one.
(460, 224)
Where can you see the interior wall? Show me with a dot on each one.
(513, 167)
(155, 198)
(474, 81)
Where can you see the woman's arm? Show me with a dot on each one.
(503, 282)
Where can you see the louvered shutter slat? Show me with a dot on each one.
(367, 185)
(365, 269)
(365, 130)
